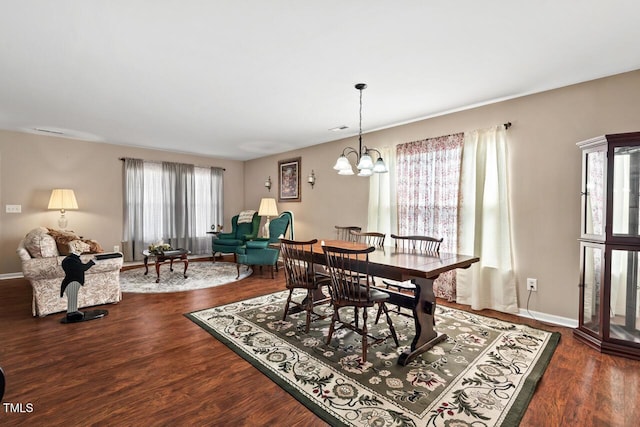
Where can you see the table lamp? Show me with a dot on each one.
(268, 208)
(63, 199)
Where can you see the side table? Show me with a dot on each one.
(162, 257)
(214, 236)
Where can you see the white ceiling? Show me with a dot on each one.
(242, 79)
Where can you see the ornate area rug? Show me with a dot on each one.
(201, 274)
(484, 374)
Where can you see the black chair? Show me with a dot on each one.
(299, 271)
(344, 233)
(371, 238)
(411, 244)
(351, 286)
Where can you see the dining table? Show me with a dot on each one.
(418, 267)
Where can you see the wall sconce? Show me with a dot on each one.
(267, 184)
(311, 179)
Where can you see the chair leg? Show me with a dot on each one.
(286, 306)
(391, 328)
(334, 317)
(364, 335)
(356, 317)
(238, 267)
(379, 313)
(309, 308)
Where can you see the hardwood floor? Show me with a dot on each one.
(146, 364)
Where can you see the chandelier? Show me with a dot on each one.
(364, 162)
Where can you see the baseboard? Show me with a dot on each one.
(548, 318)
(6, 276)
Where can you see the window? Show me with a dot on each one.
(173, 202)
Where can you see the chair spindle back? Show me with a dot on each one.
(349, 272)
(298, 263)
(422, 244)
(371, 238)
(344, 233)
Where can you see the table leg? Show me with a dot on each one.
(423, 312)
(158, 262)
(146, 265)
(185, 260)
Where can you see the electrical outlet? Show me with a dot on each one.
(13, 208)
(116, 248)
(532, 284)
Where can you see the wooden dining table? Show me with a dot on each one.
(422, 269)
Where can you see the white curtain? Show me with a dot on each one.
(172, 202)
(485, 226)
(383, 204)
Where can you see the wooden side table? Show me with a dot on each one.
(162, 257)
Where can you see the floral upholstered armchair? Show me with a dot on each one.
(42, 251)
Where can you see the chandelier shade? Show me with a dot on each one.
(364, 161)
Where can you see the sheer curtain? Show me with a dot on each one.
(173, 202)
(428, 179)
(383, 205)
(133, 222)
(485, 226)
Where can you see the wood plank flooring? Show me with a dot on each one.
(145, 364)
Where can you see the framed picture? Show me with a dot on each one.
(289, 180)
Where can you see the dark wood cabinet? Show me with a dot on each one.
(609, 317)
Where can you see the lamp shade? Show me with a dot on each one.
(379, 166)
(342, 163)
(268, 207)
(365, 162)
(63, 199)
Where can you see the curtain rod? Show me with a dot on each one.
(160, 161)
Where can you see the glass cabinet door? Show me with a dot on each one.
(626, 189)
(591, 285)
(624, 318)
(593, 200)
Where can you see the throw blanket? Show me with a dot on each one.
(245, 216)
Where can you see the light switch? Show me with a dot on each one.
(14, 208)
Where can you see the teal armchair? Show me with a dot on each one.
(228, 243)
(257, 251)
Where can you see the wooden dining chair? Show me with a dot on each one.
(420, 244)
(344, 232)
(410, 244)
(300, 273)
(351, 286)
(370, 238)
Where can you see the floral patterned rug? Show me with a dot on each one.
(483, 374)
(200, 275)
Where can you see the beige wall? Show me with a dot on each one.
(544, 184)
(31, 165)
(544, 172)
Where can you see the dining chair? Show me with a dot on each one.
(371, 238)
(344, 233)
(420, 244)
(300, 273)
(410, 244)
(351, 286)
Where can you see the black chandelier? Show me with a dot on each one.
(364, 162)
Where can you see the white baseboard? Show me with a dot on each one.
(548, 318)
(11, 276)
